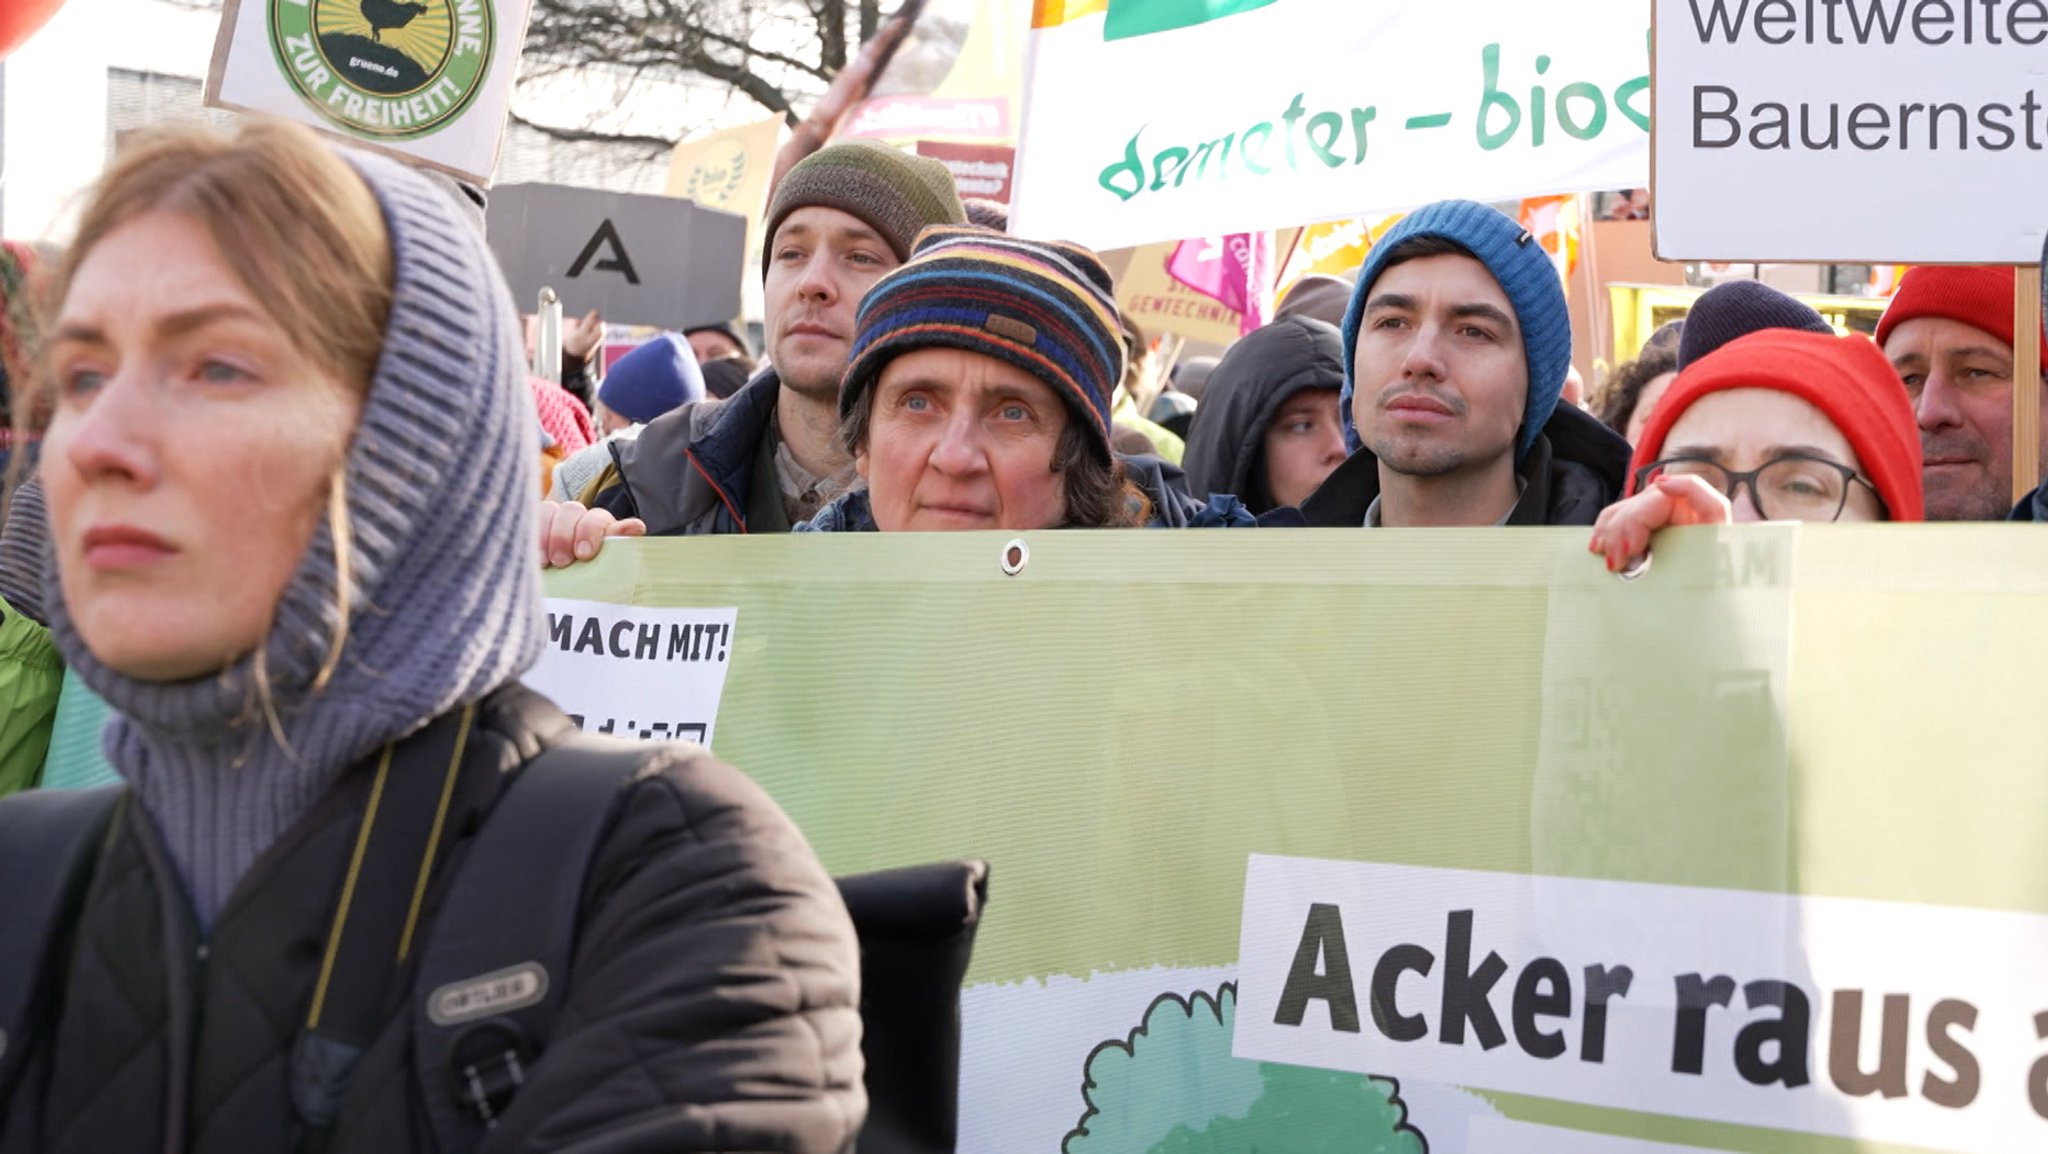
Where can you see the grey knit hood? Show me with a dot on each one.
(441, 485)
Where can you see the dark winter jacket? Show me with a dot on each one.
(693, 471)
(1259, 375)
(2032, 507)
(711, 999)
(1162, 482)
(1576, 468)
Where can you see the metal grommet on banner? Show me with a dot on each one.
(1016, 555)
(1636, 570)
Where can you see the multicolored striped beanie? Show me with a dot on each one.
(1047, 307)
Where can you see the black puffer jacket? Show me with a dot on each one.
(1576, 468)
(2032, 507)
(712, 1000)
(1246, 390)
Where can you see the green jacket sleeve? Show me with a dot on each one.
(30, 675)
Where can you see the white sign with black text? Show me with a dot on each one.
(1918, 1025)
(630, 671)
(1882, 131)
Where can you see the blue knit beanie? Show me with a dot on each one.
(1525, 274)
(653, 379)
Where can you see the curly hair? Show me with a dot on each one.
(1617, 403)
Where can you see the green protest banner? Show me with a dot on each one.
(1411, 841)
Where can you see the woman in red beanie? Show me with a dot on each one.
(1780, 425)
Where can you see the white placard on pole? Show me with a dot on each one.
(430, 80)
(1856, 131)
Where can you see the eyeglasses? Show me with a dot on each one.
(1794, 487)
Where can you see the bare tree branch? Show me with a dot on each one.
(672, 40)
(832, 34)
(810, 67)
(781, 54)
(654, 144)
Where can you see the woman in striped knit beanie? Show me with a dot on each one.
(978, 393)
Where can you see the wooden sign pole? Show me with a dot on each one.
(2026, 377)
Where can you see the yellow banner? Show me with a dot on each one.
(1157, 303)
(1333, 248)
(728, 169)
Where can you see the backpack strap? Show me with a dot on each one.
(398, 840)
(50, 842)
(496, 968)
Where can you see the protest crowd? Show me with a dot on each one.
(290, 464)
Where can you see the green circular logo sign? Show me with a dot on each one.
(395, 69)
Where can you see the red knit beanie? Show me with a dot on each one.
(1978, 295)
(1846, 378)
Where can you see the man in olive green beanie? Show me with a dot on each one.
(894, 192)
(769, 456)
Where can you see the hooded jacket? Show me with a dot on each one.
(1247, 389)
(691, 472)
(1576, 468)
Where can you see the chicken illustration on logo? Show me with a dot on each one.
(390, 69)
(384, 14)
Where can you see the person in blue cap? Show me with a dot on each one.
(660, 376)
(1456, 347)
(657, 378)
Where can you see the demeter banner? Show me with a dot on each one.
(1410, 842)
(1150, 120)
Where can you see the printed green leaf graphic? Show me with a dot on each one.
(1129, 18)
(1172, 1087)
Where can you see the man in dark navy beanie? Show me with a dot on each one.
(1456, 347)
(1734, 310)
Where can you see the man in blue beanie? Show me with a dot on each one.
(1456, 346)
